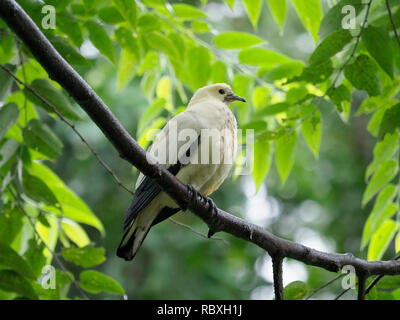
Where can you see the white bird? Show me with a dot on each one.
(183, 146)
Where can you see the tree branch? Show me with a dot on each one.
(392, 22)
(278, 277)
(60, 71)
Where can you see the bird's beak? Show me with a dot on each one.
(233, 97)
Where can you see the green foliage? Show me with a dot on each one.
(310, 14)
(236, 40)
(377, 41)
(95, 282)
(362, 74)
(161, 53)
(86, 257)
(296, 290)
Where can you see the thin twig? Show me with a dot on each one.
(324, 285)
(344, 65)
(377, 279)
(197, 232)
(72, 126)
(342, 293)
(392, 22)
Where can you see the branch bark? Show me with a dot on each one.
(59, 70)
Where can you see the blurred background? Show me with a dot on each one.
(319, 206)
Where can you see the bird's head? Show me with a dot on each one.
(219, 91)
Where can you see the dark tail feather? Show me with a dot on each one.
(125, 248)
(135, 235)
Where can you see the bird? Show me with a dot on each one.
(198, 146)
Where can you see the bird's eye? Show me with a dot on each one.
(221, 91)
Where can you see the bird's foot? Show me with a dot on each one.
(213, 211)
(195, 197)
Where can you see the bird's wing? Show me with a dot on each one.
(146, 188)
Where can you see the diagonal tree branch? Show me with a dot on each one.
(60, 71)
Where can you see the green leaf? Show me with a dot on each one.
(187, 12)
(71, 29)
(363, 75)
(46, 90)
(278, 10)
(40, 138)
(153, 111)
(330, 46)
(199, 61)
(315, 73)
(37, 190)
(230, 3)
(397, 243)
(100, 39)
(68, 52)
(262, 161)
(260, 56)
(383, 151)
(219, 73)
(158, 41)
(296, 290)
(236, 40)
(381, 239)
(385, 173)
(341, 97)
(75, 232)
(73, 207)
(127, 9)
(310, 13)
(7, 151)
(378, 44)
(383, 209)
(149, 22)
(243, 87)
(285, 155)
(253, 9)
(13, 282)
(200, 27)
(110, 15)
(311, 128)
(9, 114)
(86, 257)
(390, 120)
(96, 282)
(6, 81)
(126, 68)
(272, 109)
(12, 260)
(34, 256)
(282, 71)
(10, 224)
(261, 97)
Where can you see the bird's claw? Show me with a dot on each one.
(197, 198)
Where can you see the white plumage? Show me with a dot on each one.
(184, 148)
